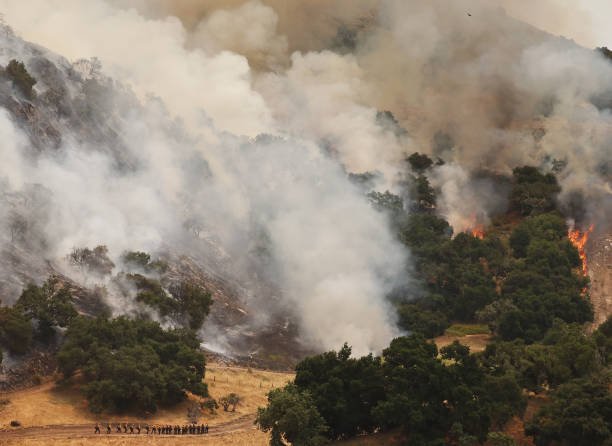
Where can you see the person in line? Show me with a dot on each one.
(97, 429)
(108, 428)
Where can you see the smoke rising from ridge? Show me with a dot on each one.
(482, 92)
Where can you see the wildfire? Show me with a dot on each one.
(478, 231)
(579, 239)
(475, 226)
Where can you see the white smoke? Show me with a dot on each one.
(331, 253)
(502, 92)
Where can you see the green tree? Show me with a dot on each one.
(292, 416)
(416, 384)
(93, 261)
(532, 191)
(50, 305)
(416, 319)
(344, 389)
(17, 72)
(16, 330)
(579, 414)
(132, 364)
(419, 162)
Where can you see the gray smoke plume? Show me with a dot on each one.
(483, 91)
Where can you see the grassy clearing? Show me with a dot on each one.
(467, 329)
(51, 403)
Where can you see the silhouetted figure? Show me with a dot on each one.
(206, 429)
(131, 429)
(124, 428)
(147, 428)
(108, 429)
(138, 429)
(118, 428)
(97, 429)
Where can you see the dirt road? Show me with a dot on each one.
(73, 431)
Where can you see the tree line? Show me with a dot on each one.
(523, 279)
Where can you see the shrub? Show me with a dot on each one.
(22, 80)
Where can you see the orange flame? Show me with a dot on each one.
(579, 239)
(478, 231)
(476, 227)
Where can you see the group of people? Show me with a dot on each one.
(126, 428)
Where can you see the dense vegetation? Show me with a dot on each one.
(435, 395)
(132, 364)
(126, 364)
(517, 280)
(184, 301)
(522, 279)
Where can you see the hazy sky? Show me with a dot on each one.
(585, 21)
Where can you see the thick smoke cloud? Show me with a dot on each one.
(484, 92)
(332, 256)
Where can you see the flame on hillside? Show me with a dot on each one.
(478, 231)
(579, 239)
(476, 227)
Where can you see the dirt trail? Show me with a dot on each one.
(58, 431)
(599, 252)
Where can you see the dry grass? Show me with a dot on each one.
(51, 403)
(476, 343)
(252, 386)
(246, 438)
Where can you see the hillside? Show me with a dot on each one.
(57, 412)
(352, 221)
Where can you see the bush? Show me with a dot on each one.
(210, 404)
(230, 400)
(22, 80)
(93, 261)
